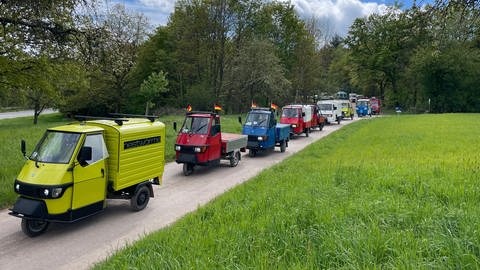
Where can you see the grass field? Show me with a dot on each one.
(394, 192)
(13, 130)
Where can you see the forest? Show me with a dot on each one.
(83, 59)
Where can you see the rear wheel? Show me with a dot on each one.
(252, 152)
(34, 228)
(234, 159)
(187, 169)
(140, 199)
(307, 131)
(338, 120)
(351, 116)
(283, 146)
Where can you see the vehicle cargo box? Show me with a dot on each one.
(136, 151)
(283, 132)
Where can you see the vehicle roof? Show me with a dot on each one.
(363, 99)
(293, 106)
(260, 111)
(199, 115)
(92, 126)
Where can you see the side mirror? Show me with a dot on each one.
(240, 120)
(175, 126)
(334, 107)
(23, 147)
(85, 154)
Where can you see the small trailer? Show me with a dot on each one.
(201, 142)
(75, 168)
(263, 131)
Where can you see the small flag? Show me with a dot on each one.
(254, 105)
(217, 107)
(273, 106)
(189, 108)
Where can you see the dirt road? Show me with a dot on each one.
(80, 245)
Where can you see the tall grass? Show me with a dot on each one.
(13, 130)
(393, 192)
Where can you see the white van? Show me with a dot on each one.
(331, 109)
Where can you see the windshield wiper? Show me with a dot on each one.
(198, 129)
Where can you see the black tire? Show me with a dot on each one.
(187, 169)
(140, 199)
(235, 159)
(33, 227)
(321, 126)
(283, 146)
(252, 152)
(307, 131)
(339, 120)
(351, 116)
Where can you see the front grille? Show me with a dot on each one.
(188, 149)
(28, 189)
(252, 138)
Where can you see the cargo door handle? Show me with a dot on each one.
(103, 172)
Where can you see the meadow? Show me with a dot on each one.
(393, 192)
(14, 130)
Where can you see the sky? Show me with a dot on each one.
(334, 15)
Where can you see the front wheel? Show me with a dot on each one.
(33, 227)
(321, 126)
(187, 169)
(252, 152)
(338, 120)
(283, 146)
(307, 131)
(351, 116)
(140, 199)
(234, 159)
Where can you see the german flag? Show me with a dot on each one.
(217, 107)
(189, 108)
(273, 106)
(254, 105)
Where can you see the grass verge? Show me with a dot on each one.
(13, 130)
(395, 192)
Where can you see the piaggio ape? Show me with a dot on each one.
(201, 142)
(298, 117)
(263, 131)
(75, 168)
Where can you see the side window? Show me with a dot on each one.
(215, 126)
(99, 149)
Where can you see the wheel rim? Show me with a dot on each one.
(142, 198)
(36, 225)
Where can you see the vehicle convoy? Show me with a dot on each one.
(201, 142)
(263, 131)
(75, 168)
(299, 117)
(347, 110)
(375, 105)
(363, 107)
(331, 110)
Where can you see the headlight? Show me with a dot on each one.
(17, 187)
(260, 138)
(56, 192)
(178, 147)
(46, 192)
(294, 126)
(198, 149)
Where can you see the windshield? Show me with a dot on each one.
(55, 147)
(196, 125)
(257, 119)
(325, 107)
(362, 103)
(374, 103)
(290, 113)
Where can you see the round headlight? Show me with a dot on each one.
(178, 147)
(46, 192)
(260, 138)
(17, 187)
(198, 149)
(294, 126)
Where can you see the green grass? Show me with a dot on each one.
(13, 130)
(393, 192)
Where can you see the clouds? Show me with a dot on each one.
(336, 15)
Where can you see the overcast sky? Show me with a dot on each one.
(336, 15)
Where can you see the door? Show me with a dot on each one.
(90, 178)
(215, 140)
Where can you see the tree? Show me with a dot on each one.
(154, 85)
